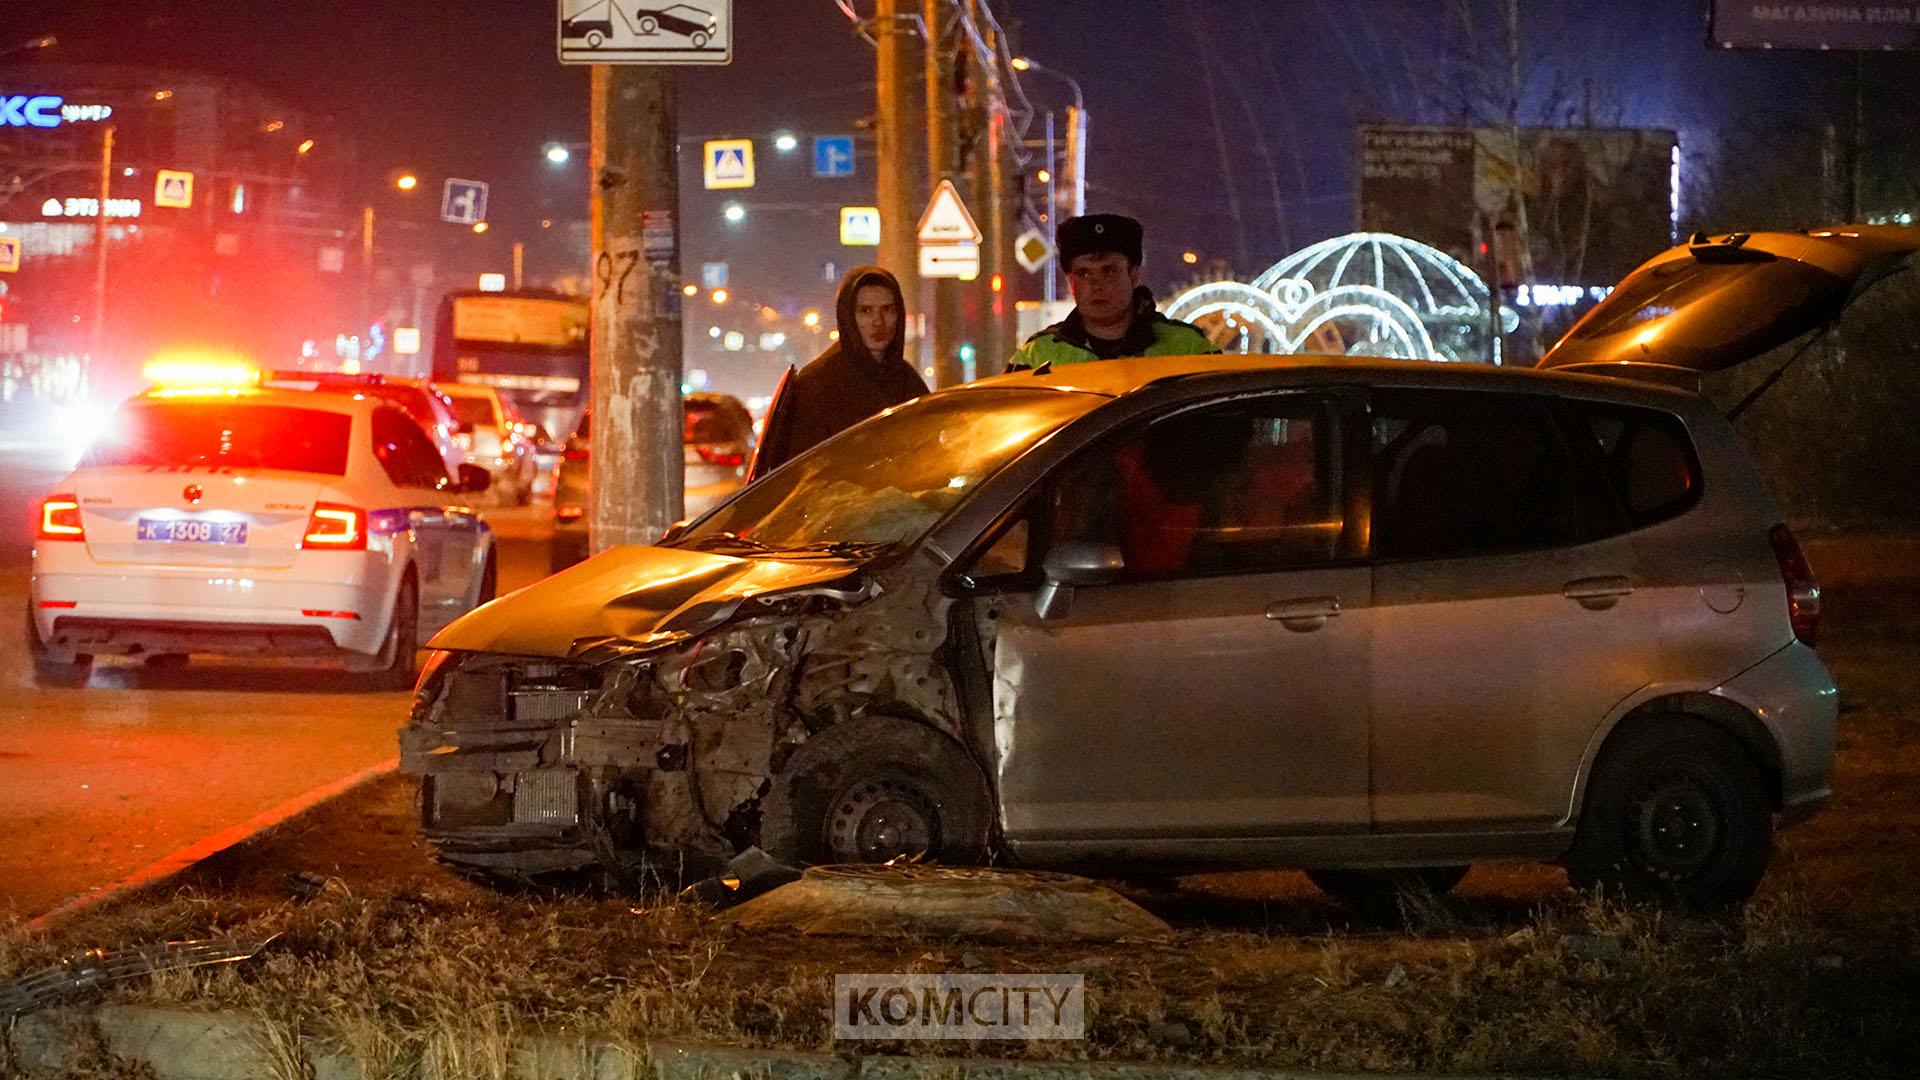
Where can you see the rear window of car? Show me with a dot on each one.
(1646, 457)
(477, 411)
(228, 434)
(707, 422)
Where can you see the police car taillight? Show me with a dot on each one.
(60, 519)
(334, 527)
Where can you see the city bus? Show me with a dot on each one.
(530, 345)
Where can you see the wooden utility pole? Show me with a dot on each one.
(898, 187)
(637, 471)
(942, 163)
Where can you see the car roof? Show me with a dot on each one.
(1114, 378)
(251, 395)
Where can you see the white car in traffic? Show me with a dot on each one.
(247, 521)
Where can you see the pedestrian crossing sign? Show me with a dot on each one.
(729, 164)
(173, 188)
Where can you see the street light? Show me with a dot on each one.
(785, 142)
(558, 154)
(1026, 63)
(406, 181)
(44, 41)
(734, 213)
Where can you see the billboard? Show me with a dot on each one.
(1755, 24)
(1598, 201)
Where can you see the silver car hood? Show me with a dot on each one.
(639, 595)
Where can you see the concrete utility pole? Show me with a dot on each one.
(99, 342)
(637, 471)
(942, 163)
(899, 185)
(1004, 216)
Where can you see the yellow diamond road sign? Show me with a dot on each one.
(173, 188)
(729, 164)
(1032, 250)
(860, 226)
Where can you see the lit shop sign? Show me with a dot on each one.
(46, 110)
(1542, 295)
(89, 208)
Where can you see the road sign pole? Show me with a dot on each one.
(941, 140)
(637, 469)
(898, 181)
(99, 336)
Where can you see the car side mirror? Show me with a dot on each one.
(1071, 565)
(472, 480)
(675, 531)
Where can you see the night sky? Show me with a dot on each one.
(473, 89)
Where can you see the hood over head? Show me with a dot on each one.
(1716, 302)
(850, 342)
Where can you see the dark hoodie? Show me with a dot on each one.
(843, 385)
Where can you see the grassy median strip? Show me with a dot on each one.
(401, 964)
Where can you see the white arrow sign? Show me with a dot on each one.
(950, 261)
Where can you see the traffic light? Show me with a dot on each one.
(966, 352)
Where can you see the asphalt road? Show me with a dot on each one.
(99, 782)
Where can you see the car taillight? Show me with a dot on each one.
(566, 514)
(60, 519)
(726, 459)
(575, 453)
(1803, 592)
(336, 528)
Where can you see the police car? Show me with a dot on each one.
(242, 520)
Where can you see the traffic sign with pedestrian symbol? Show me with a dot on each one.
(729, 164)
(9, 253)
(173, 188)
(860, 226)
(833, 156)
(463, 202)
(713, 275)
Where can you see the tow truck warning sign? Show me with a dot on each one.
(646, 32)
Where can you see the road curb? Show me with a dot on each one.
(173, 1043)
(168, 865)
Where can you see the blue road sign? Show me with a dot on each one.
(464, 202)
(713, 275)
(833, 155)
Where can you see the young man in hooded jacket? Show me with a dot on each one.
(863, 373)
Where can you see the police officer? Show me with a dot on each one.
(1113, 314)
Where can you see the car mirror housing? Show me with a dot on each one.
(473, 480)
(1071, 565)
(675, 531)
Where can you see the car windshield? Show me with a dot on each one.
(885, 482)
(226, 434)
(477, 411)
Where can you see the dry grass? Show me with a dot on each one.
(401, 965)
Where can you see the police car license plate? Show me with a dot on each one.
(193, 531)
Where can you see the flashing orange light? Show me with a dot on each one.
(205, 373)
(334, 527)
(998, 283)
(60, 519)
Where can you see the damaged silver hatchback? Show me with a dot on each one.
(1377, 620)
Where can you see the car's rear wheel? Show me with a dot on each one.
(398, 668)
(877, 789)
(649, 24)
(595, 39)
(50, 669)
(1677, 813)
(699, 39)
(1382, 891)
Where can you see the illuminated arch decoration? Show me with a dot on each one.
(1363, 294)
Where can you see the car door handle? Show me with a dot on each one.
(1598, 593)
(1304, 613)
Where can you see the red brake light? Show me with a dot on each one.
(1803, 591)
(575, 453)
(336, 528)
(60, 519)
(726, 459)
(569, 513)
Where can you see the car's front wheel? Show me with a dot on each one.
(877, 789)
(51, 669)
(398, 668)
(1676, 813)
(649, 24)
